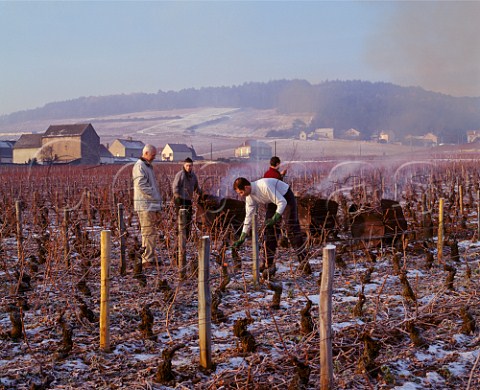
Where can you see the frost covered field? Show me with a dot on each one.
(403, 317)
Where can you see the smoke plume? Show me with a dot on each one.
(434, 45)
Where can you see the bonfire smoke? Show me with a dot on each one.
(430, 44)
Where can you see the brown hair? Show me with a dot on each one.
(240, 183)
(274, 161)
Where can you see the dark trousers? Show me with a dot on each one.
(290, 218)
(187, 205)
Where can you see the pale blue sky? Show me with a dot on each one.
(53, 51)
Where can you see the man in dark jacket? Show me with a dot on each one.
(183, 187)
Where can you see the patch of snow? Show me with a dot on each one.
(367, 288)
(409, 386)
(460, 338)
(185, 332)
(457, 369)
(343, 325)
(8, 382)
(427, 299)
(76, 364)
(221, 333)
(470, 356)
(143, 357)
(433, 377)
(422, 357)
(352, 298)
(401, 368)
(413, 273)
(438, 351)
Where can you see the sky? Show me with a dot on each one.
(60, 50)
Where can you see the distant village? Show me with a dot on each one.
(80, 144)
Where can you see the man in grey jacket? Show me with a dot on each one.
(183, 187)
(147, 202)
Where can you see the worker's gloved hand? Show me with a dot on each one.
(240, 241)
(177, 201)
(272, 221)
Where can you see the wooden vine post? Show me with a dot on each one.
(105, 243)
(255, 250)
(325, 317)
(182, 242)
(121, 233)
(440, 231)
(18, 213)
(204, 304)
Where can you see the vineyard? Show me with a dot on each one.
(404, 314)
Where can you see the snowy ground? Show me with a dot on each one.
(425, 336)
(446, 359)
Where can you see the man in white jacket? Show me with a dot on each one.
(275, 191)
(147, 202)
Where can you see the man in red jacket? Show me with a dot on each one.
(274, 170)
(272, 233)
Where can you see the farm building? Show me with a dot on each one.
(6, 151)
(254, 150)
(473, 136)
(27, 148)
(126, 148)
(318, 134)
(105, 156)
(383, 137)
(69, 143)
(427, 140)
(353, 134)
(178, 152)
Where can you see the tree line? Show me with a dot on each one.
(366, 106)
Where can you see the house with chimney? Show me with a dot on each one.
(126, 148)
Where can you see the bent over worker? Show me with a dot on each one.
(264, 191)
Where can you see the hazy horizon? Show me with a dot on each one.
(57, 51)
